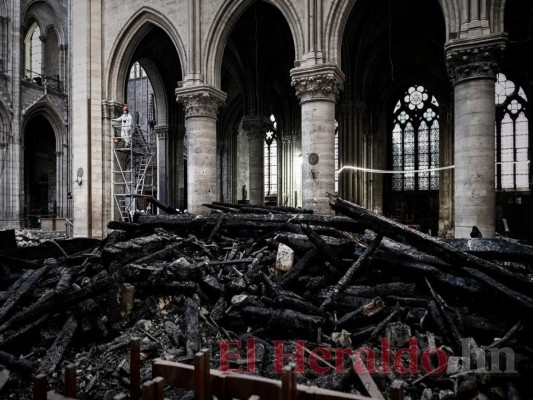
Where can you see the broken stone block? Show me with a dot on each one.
(284, 258)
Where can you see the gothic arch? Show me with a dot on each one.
(48, 110)
(338, 16)
(130, 36)
(46, 17)
(222, 26)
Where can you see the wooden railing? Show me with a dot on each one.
(200, 378)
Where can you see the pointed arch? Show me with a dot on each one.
(48, 110)
(340, 11)
(223, 24)
(126, 42)
(46, 16)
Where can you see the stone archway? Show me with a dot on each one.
(255, 74)
(40, 170)
(222, 27)
(382, 57)
(150, 42)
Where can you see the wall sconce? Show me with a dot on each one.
(79, 176)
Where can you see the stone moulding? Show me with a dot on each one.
(478, 59)
(322, 82)
(200, 100)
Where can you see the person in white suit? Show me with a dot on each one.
(126, 120)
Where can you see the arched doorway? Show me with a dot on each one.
(40, 170)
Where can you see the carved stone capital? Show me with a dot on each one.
(161, 131)
(319, 82)
(200, 100)
(256, 126)
(478, 59)
(111, 108)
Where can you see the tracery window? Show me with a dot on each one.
(271, 160)
(512, 136)
(415, 140)
(33, 52)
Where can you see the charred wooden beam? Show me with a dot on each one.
(356, 267)
(59, 304)
(16, 364)
(475, 267)
(191, 317)
(55, 354)
(296, 271)
(20, 289)
(162, 206)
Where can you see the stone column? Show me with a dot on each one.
(60, 195)
(472, 67)
(63, 66)
(91, 145)
(256, 128)
(201, 106)
(242, 166)
(317, 88)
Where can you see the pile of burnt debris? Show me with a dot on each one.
(365, 305)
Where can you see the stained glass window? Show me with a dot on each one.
(271, 160)
(512, 136)
(415, 141)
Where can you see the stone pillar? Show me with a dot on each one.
(472, 67)
(60, 195)
(242, 167)
(256, 128)
(201, 104)
(446, 181)
(91, 144)
(63, 67)
(317, 88)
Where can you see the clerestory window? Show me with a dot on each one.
(512, 136)
(33, 53)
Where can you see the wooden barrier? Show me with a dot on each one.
(207, 382)
(200, 378)
(40, 386)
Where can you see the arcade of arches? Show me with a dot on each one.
(415, 109)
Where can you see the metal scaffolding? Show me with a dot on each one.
(134, 163)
